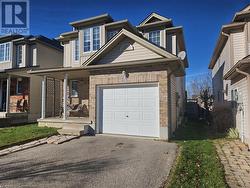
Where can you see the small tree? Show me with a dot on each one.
(201, 89)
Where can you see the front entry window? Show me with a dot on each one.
(74, 88)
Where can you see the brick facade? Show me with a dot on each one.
(136, 76)
(19, 102)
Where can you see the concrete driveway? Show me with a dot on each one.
(101, 161)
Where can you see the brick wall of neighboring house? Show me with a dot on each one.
(19, 102)
(136, 75)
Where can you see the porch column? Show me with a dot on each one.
(8, 94)
(65, 84)
(44, 83)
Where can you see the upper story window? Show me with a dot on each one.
(5, 52)
(154, 37)
(91, 39)
(111, 33)
(76, 50)
(19, 54)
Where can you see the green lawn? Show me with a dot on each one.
(198, 164)
(21, 134)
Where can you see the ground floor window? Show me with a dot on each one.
(74, 88)
(19, 88)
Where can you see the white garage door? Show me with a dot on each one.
(130, 110)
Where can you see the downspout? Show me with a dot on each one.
(248, 91)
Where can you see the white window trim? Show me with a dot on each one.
(71, 89)
(10, 47)
(159, 36)
(73, 51)
(91, 39)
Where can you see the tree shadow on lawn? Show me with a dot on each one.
(196, 130)
(44, 170)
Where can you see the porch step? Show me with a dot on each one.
(74, 129)
(74, 132)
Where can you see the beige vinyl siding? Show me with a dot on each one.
(128, 50)
(239, 46)
(172, 102)
(48, 57)
(223, 60)
(67, 55)
(35, 98)
(241, 86)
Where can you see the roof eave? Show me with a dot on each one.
(84, 22)
(155, 24)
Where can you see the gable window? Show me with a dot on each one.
(154, 37)
(74, 88)
(111, 33)
(19, 54)
(76, 50)
(5, 52)
(19, 86)
(91, 39)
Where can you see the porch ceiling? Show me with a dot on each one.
(242, 65)
(59, 73)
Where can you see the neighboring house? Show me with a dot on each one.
(20, 92)
(120, 79)
(230, 66)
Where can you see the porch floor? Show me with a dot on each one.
(84, 120)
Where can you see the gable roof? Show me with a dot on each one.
(244, 13)
(154, 15)
(118, 37)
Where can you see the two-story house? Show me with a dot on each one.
(20, 92)
(230, 70)
(120, 79)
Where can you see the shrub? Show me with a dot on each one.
(222, 118)
(232, 133)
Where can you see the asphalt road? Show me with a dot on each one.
(100, 161)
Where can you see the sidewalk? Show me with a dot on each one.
(236, 160)
(57, 139)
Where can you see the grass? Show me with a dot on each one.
(17, 135)
(198, 164)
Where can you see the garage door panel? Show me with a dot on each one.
(131, 110)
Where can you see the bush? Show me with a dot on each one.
(232, 133)
(222, 118)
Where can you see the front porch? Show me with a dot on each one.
(66, 107)
(14, 99)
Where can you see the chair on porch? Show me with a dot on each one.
(79, 110)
